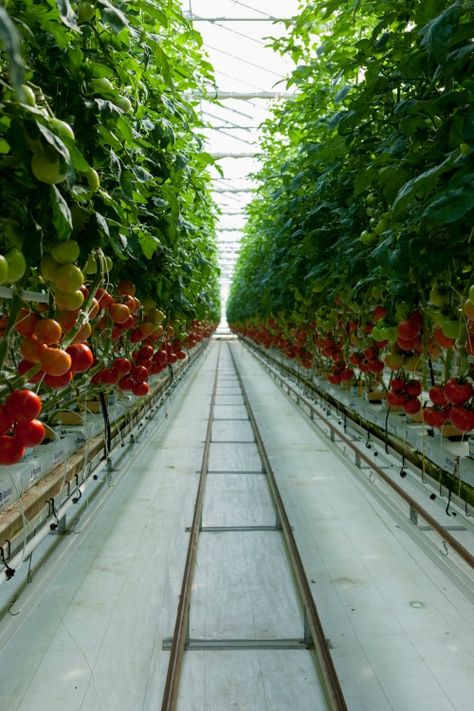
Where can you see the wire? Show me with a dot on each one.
(240, 81)
(245, 61)
(241, 34)
(251, 7)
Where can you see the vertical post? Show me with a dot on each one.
(333, 435)
(413, 515)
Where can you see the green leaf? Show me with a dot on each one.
(114, 17)
(451, 206)
(68, 16)
(54, 141)
(62, 218)
(10, 40)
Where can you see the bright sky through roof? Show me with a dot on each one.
(242, 63)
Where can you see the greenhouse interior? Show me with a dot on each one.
(237, 355)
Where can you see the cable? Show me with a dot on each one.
(251, 7)
(240, 81)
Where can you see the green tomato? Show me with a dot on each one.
(102, 86)
(451, 329)
(47, 169)
(3, 269)
(85, 11)
(465, 149)
(16, 264)
(108, 264)
(27, 95)
(471, 293)
(62, 128)
(69, 301)
(123, 103)
(368, 238)
(66, 252)
(48, 267)
(68, 278)
(90, 266)
(93, 180)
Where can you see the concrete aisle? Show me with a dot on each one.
(92, 642)
(401, 633)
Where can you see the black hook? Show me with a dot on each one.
(9, 572)
(52, 510)
(402, 470)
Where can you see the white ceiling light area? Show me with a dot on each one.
(249, 76)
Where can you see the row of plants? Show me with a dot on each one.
(108, 264)
(358, 254)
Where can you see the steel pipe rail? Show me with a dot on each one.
(362, 456)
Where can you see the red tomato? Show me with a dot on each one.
(398, 385)
(139, 373)
(408, 330)
(23, 405)
(395, 399)
(434, 417)
(140, 389)
(412, 405)
(413, 388)
(24, 366)
(48, 331)
(437, 395)
(458, 391)
(122, 365)
(58, 381)
(81, 357)
(11, 451)
(6, 420)
(55, 361)
(30, 434)
(146, 351)
(126, 383)
(462, 418)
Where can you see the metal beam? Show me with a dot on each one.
(196, 18)
(242, 95)
(234, 190)
(235, 155)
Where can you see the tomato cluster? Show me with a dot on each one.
(19, 426)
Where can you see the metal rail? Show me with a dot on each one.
(361, 456)
(313, 628)
(181, 628)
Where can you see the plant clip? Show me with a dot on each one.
(52, 511)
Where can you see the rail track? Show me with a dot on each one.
(312, 639)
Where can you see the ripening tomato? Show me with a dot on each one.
(24, 366)
(31, 349)
(82, 357)
(119, 313)
(55, 361)
(104, 298)
(83, 334)
(67, 319)
(30, 434)
(407, 330)
(443, 340)
(94, 309)
(11, 451)
(126, 288)
(23, 405)
(26, 322)
(48, 331)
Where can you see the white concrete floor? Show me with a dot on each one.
(401, 633)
